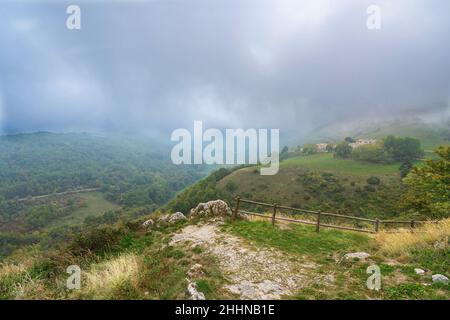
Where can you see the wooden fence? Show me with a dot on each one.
(319, 215)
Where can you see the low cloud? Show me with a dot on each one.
(160, 65)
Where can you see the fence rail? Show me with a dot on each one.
(376, 223)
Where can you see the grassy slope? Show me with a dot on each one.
(321, 182)
(431, 136)
(327, 163)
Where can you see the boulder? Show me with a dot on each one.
(356, 255)
(194, 294)
(172, 218)
(214, 208)
(439, 278)
(176, 217)
(419, 271)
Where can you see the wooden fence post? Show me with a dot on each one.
(274, 213)
(318, 221)
(412, 225)
(377, 225)
(238, 200)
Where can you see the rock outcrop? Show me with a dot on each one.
(172, 218)
(176, 217)
(214, 208)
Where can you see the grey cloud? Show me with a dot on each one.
(160, 65)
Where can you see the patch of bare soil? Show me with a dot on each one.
(252, 272)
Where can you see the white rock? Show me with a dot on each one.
(176, 217)
(172, 218)
(419, 271)
(439, 278)
(148, 223)
(210, 209)
(357, 255)
(194, 294)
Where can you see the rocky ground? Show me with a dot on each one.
(251, 273)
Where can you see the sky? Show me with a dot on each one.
(159, 65)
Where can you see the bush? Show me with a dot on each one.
(370, 188)
(309, 149)
(97, 240)
(375, 181)
(231, 186)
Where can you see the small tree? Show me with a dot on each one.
(349, 139)
(405, 168)
(343, 150)
(329, 148)
(309, 149)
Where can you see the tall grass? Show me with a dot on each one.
(105, 278)
(430, 235)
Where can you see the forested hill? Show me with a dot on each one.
(132, 171)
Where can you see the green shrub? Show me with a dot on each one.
(375, 181)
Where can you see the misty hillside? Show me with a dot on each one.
(431, 134)
(131, 170)
(52, 182)
(323, 181)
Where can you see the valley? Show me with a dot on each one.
(134, 236)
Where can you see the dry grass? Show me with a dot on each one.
(429, 235)
(19, 262)
(11, 269)
(103, 278)
(31, 289)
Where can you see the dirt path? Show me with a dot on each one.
(252, 273)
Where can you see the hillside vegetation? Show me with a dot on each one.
(132, 175)
(128, 261)
(121, 258)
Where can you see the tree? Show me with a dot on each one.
(343, 150)
(329, 148)
(405, 168)
(309, 149)
(349, 139)
(284, 153)
(403, 149)
(428, 187)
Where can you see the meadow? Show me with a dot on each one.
(94, 204)
(326, 162)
